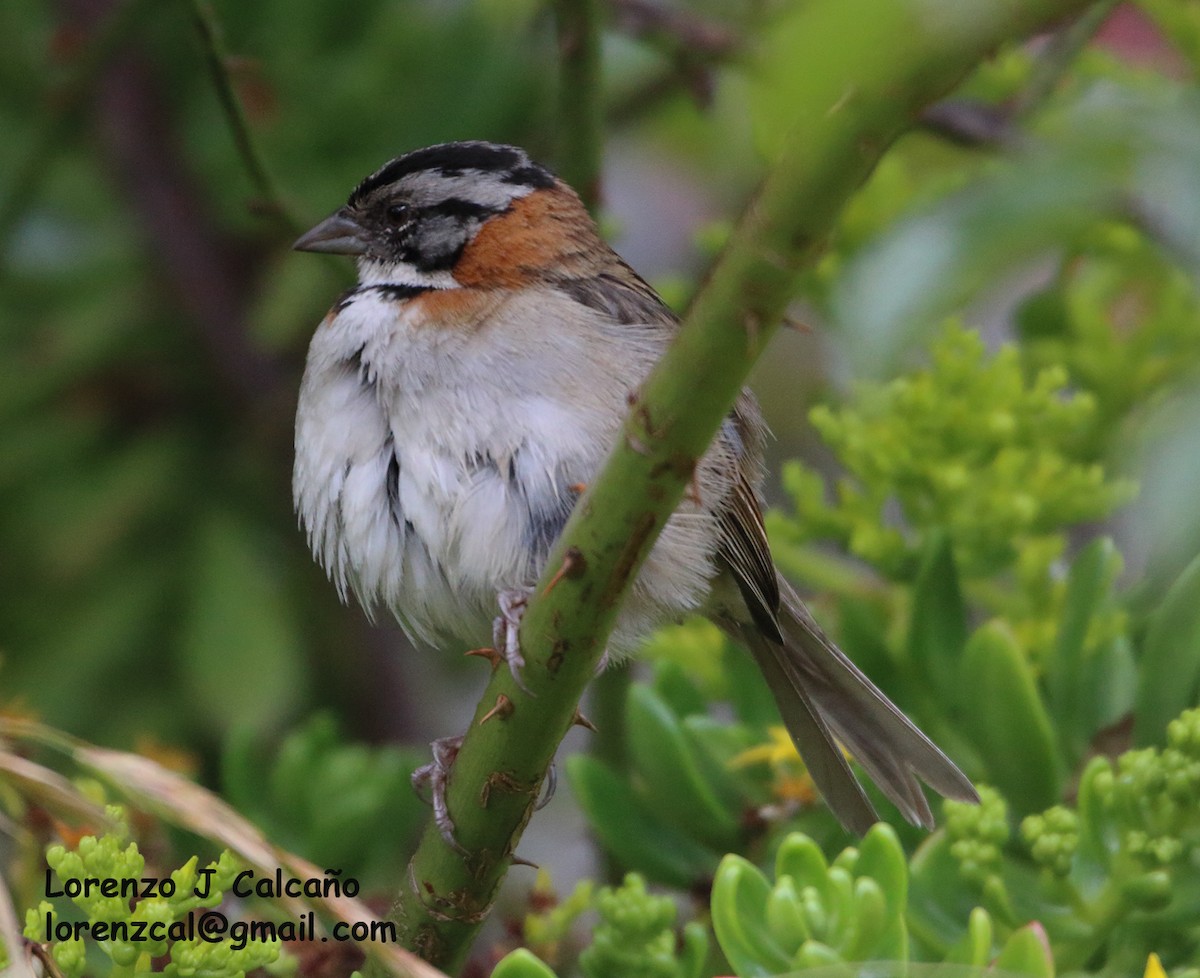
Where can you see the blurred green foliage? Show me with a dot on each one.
(967, 447)
(336, 803)
(83, 871)
(636, 936)
(154, 332)
(1111, 877)
(966, 523)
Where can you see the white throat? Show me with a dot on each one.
(402, 273)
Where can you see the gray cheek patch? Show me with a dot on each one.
(438, 243)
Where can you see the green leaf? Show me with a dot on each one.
(938, 628)
(674, 784)
(1148, 892)
(634, 835)
(290, 778)
(694, 952)
(739, 901)
(241, 645)
(837, 915)
(800, 858)
(814, 954)
(714, 744)
(1027, 952)
(676, 689)
(1009, 723)
(785, 916)
(939, 899)
(1170, 666)
(975, 948)
(777, 77)
(1087, 588)
(864, 624)
(751, 697)
(881, 857)
(242, 770)
(998, 901)
(868, 924)
(1114, 144)
(1110, 683)
(1099, 838)
(522, 963)
(880, 928)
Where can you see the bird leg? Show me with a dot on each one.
(506, 628)
(436, 775)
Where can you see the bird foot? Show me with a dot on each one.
(436, 776)
(506, 629)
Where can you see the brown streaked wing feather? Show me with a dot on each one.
(745, 549)
(621, 295)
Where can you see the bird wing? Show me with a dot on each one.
(744, 548)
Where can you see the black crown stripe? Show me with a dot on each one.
(458, 207)
(447, 157)
(531, 175)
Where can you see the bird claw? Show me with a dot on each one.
(506, 631)
(549, 789)
(547, 793)
(436, 775)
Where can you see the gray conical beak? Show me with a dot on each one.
(338, 234)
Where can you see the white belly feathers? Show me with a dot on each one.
(420, 493)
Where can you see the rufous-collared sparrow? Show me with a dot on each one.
(456, 400)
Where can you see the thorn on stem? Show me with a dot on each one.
(487, 652)
(573, 564)
(579, 720)
(503, 709)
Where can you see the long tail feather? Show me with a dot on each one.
(822, 756)
(821, 692)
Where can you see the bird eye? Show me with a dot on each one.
(397, 213)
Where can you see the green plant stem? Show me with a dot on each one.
(866, 87)
(692, 45)
(216, 58)
(974, 124)
(577, 23)
(65, 106)
(607, 710)
(607, 698)
(1059, 56)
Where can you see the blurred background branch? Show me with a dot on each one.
(66, 107)
(580, 119)
(217, 57)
